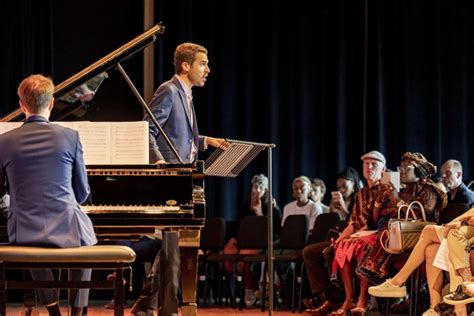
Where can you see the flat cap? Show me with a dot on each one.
(374, 154)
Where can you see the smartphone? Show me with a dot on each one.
(392, 178)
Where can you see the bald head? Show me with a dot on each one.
(451, 174)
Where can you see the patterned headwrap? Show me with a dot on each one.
(424, 168)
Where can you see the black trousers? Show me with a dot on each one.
(163, 280)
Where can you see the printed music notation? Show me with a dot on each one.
(105, 143)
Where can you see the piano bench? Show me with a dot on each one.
(112, 257)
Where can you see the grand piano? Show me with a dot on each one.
(132, 200)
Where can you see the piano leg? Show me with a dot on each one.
(189, 245)
(189, 258)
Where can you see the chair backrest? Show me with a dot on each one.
(253, 233)
(451, 211)
(324, 222)
(213, 234)
(294, 232)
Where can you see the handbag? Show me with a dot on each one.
(403, 233)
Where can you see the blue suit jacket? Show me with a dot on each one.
(169, 106)
(44, 168)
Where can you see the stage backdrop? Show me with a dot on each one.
(325, 81)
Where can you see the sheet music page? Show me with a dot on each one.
(441, 259)
(8, 126)
(106, 143)
(96, 140)
(129, 143)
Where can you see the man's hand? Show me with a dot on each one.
(217, 142)
(449, 226)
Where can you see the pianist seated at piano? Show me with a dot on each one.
(42, 167)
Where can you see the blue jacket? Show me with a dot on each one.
(169, 106)
(42, 167)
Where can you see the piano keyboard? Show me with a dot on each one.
(96, 209)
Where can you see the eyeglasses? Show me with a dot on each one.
(405, 168)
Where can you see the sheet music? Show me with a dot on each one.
(95, 139)
(8, 126)
(106, 143)
(130, 142)
(441, 259)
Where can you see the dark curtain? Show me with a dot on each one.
(325, 81)
(26, 39)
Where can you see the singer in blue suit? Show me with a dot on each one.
(172, 106)
(42, 168)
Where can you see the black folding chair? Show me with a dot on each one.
(293, 239)
(212, 242)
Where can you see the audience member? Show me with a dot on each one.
(415, 173)
(458, 232)
(349, 251)
(302, 204)
(256, 204)
(342, 201)
(318, 190)
(319, 255)
(451, 177)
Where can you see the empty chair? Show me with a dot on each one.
(252, 235)
(212, 242)
(293, 239)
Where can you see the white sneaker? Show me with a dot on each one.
(387, 289)
(430, 312)
(250, 297)
(468, 288)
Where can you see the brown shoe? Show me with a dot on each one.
(325, 308)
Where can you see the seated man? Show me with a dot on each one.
(42, 167)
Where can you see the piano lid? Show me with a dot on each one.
(75, 94)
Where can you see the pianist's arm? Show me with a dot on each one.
(79, 175)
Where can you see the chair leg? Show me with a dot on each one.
(264, 287)
(386, 307)
(3, 292)
(414, 291)
(293, 291)
(206, 282)
(242, 287)
(300, 294)
(232, 287)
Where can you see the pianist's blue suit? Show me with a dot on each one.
(169, 106)
(42, 166)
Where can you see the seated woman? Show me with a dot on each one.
(425, 250)
(319, 255)
(255, 205)
(348, 183)
(415, 173)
